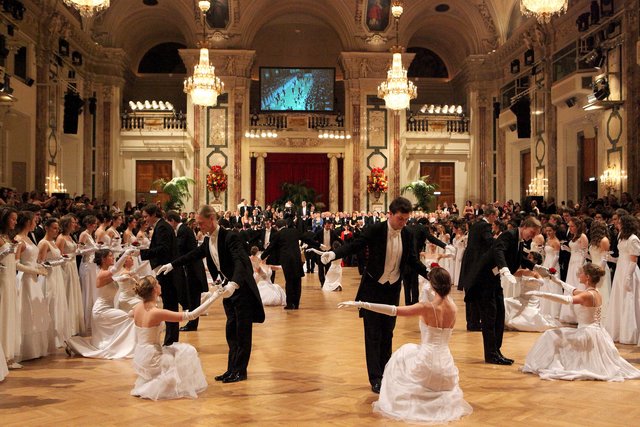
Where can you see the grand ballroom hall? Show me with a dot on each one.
(493, 100)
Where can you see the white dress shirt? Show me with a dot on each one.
(213, 248)
(267, 237)
(392, 257)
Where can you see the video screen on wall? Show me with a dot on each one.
(297, 89)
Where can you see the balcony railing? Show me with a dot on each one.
(297, 121)
(434, 123)
(153, 122)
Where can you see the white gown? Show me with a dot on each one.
(567, 313)
(10, 319)
(74, 289)
(583, 353)
(88, 273)
(604, 285)
(3, 365)
(523, 313)
(551, 260)
(623, 318)
(127, 298)
(54, 290)
(270, 293)
(420, 382)
(168, 372)
(460, 243)
(333, 278)
(113, 335)
(446, 263)
(36, 321)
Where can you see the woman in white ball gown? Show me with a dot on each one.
(10, 318)
(112, 332)
(583, 353)
(126, 279)
(551, 261)
(88, 270)
(420, 381)
(68, 248)
(333, 277)
(271, 294)
(168, 372)
(578, 248)
(623, 320)
(599, 246)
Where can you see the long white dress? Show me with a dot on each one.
(583, 353)
(271, 294)
(53, 288)
(420, 382)
(578, 256)
(523, 313)
(127, 298)
(551, 260)
(113, 335)
(623, 318)
(333, 278)
(88, 273)
(170, 372)
(604, 285)
(10, 319)
(74, 289)
(36, 320)
(3, 365)
(460, 243)
(446, 263)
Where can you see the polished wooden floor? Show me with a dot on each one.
(307, 368)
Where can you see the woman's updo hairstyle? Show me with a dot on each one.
(593, 272)
(440, 281)
(144, 287)
(100, 255)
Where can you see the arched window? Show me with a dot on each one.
(163, 59)
(426, 63)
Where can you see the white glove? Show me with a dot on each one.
(327, 257)
(609, 257)
(532, 281)
(567, 287)
(229, 289)
(167, 268)
(57, 262)
(565, 248)
(562, 299)
(504, 272)
(86, 251)
(131, 252)
(315, 251)
(389, 310)
(450, 249)
(29, 269)
(542, 271)
(202, 308)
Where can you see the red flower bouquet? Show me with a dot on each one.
(434, 265)
(216, 179)
(377, 181)
(553, 270)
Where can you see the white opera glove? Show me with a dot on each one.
(118, 265)
(562, 299)
(57, 262)
(202, 308)
(504, 272)
(29, 269)
(389, 310)
(603, 262)
(229, 289)
(631, 269)
(167, 268)
(327, 257)
(86, 251)
(565, 248)
(315, 251)
(532, 281)
(567, 287)
(610, 258)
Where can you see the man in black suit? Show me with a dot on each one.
(391, 251)
(162, 250)
(479, 242)
(421, 233)
(227, 258)
(504, 259)
(325, 238)
(286, 248)
(193, 274)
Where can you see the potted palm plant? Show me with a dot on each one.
(177, 190)
(422, 190)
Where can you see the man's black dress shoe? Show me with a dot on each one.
(496, 360)
(289, 307)
(505, 358)
(234, 378)
(222, 377)
(376, 388)
(187, 329)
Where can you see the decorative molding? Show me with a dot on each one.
(494, 40)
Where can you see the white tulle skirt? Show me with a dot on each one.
(169, 372)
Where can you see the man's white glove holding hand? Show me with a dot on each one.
(504, 272)
(167, 268)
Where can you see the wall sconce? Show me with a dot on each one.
(611, 178)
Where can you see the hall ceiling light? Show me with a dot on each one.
(88, 8)
(397, 91)
(543, 10)
(204, 87)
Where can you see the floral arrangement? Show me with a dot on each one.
(216, 179)
(553, 270)
(377, 181)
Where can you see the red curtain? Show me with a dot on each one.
(293, 168)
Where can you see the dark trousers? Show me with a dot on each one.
(293, 289)
(472, 315)
(491, 310)
(169, 302)
(411, 288)
(311, 262)
(239, 332)
(378, 328)
(322, 271)
(194, 289)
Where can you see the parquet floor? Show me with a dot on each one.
(307, 368)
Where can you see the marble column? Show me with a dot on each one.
(260, 177)
(333, 181)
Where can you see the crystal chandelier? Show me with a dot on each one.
(204, 87)
(397, 91)
(543, 10)
(88, 8)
